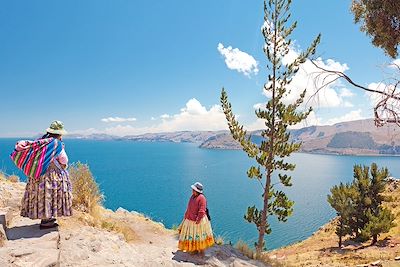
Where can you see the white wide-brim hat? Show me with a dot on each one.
(56, 127)
(198, 187)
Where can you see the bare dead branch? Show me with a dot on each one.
(387, 107)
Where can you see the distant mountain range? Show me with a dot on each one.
(347, 138)
(360, 137)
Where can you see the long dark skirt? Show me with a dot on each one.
(48, 197)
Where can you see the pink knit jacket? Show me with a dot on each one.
(196, 209)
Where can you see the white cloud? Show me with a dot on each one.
(259, 106)
(396, 62)
(389, 104)
(122, 130)
(193, 117)
(164, 116)
(88, 131)
(238, 60)
(348, 104)
(194, 107)
(256, 125)
(312, 119)
(117, 119)
(152, 118)
(309, 77)
(344, 92)
(375, 97)
(351, 116)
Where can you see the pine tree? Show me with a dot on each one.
(342, 200)
(378, 219)
(275, 147)
(378, 224)
(361, 183)
(359, 205)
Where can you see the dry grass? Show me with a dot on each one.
(393, 192)
(219, 240)
(118, 227)
(99, 218)
(88, 199)
(13, 178)
(10, 178)
(250, 253)
(85, 190)
(112, 224)
(2, 176)
(2, 236)
(245, 249)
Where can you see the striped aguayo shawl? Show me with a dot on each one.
(34, 157)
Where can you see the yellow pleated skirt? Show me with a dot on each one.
(194, 236)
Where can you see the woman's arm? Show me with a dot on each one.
(63, 158)
(202, 208)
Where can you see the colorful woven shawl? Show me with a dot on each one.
(34, 157)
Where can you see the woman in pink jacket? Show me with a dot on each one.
(195, 233)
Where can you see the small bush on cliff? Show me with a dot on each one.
(245, 249)
(13, 178)
(2, 176)
(88, 199)
(359, 205)
(86, 193)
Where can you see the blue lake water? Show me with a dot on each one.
(155, 179)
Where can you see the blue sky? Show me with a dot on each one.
(129, 67)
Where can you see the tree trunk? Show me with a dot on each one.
(340, 235)
(374, 239)
(264, 214)
(261, 231)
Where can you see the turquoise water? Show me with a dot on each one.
(155, 179)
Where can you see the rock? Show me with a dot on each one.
(96, 246)
(122, 210)
(376, 263)
(22, 252)
(362, 265)
(5, 217)
(45, 258)
(3, 236)
(397, 258)
(67, 237)
(135, 213)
